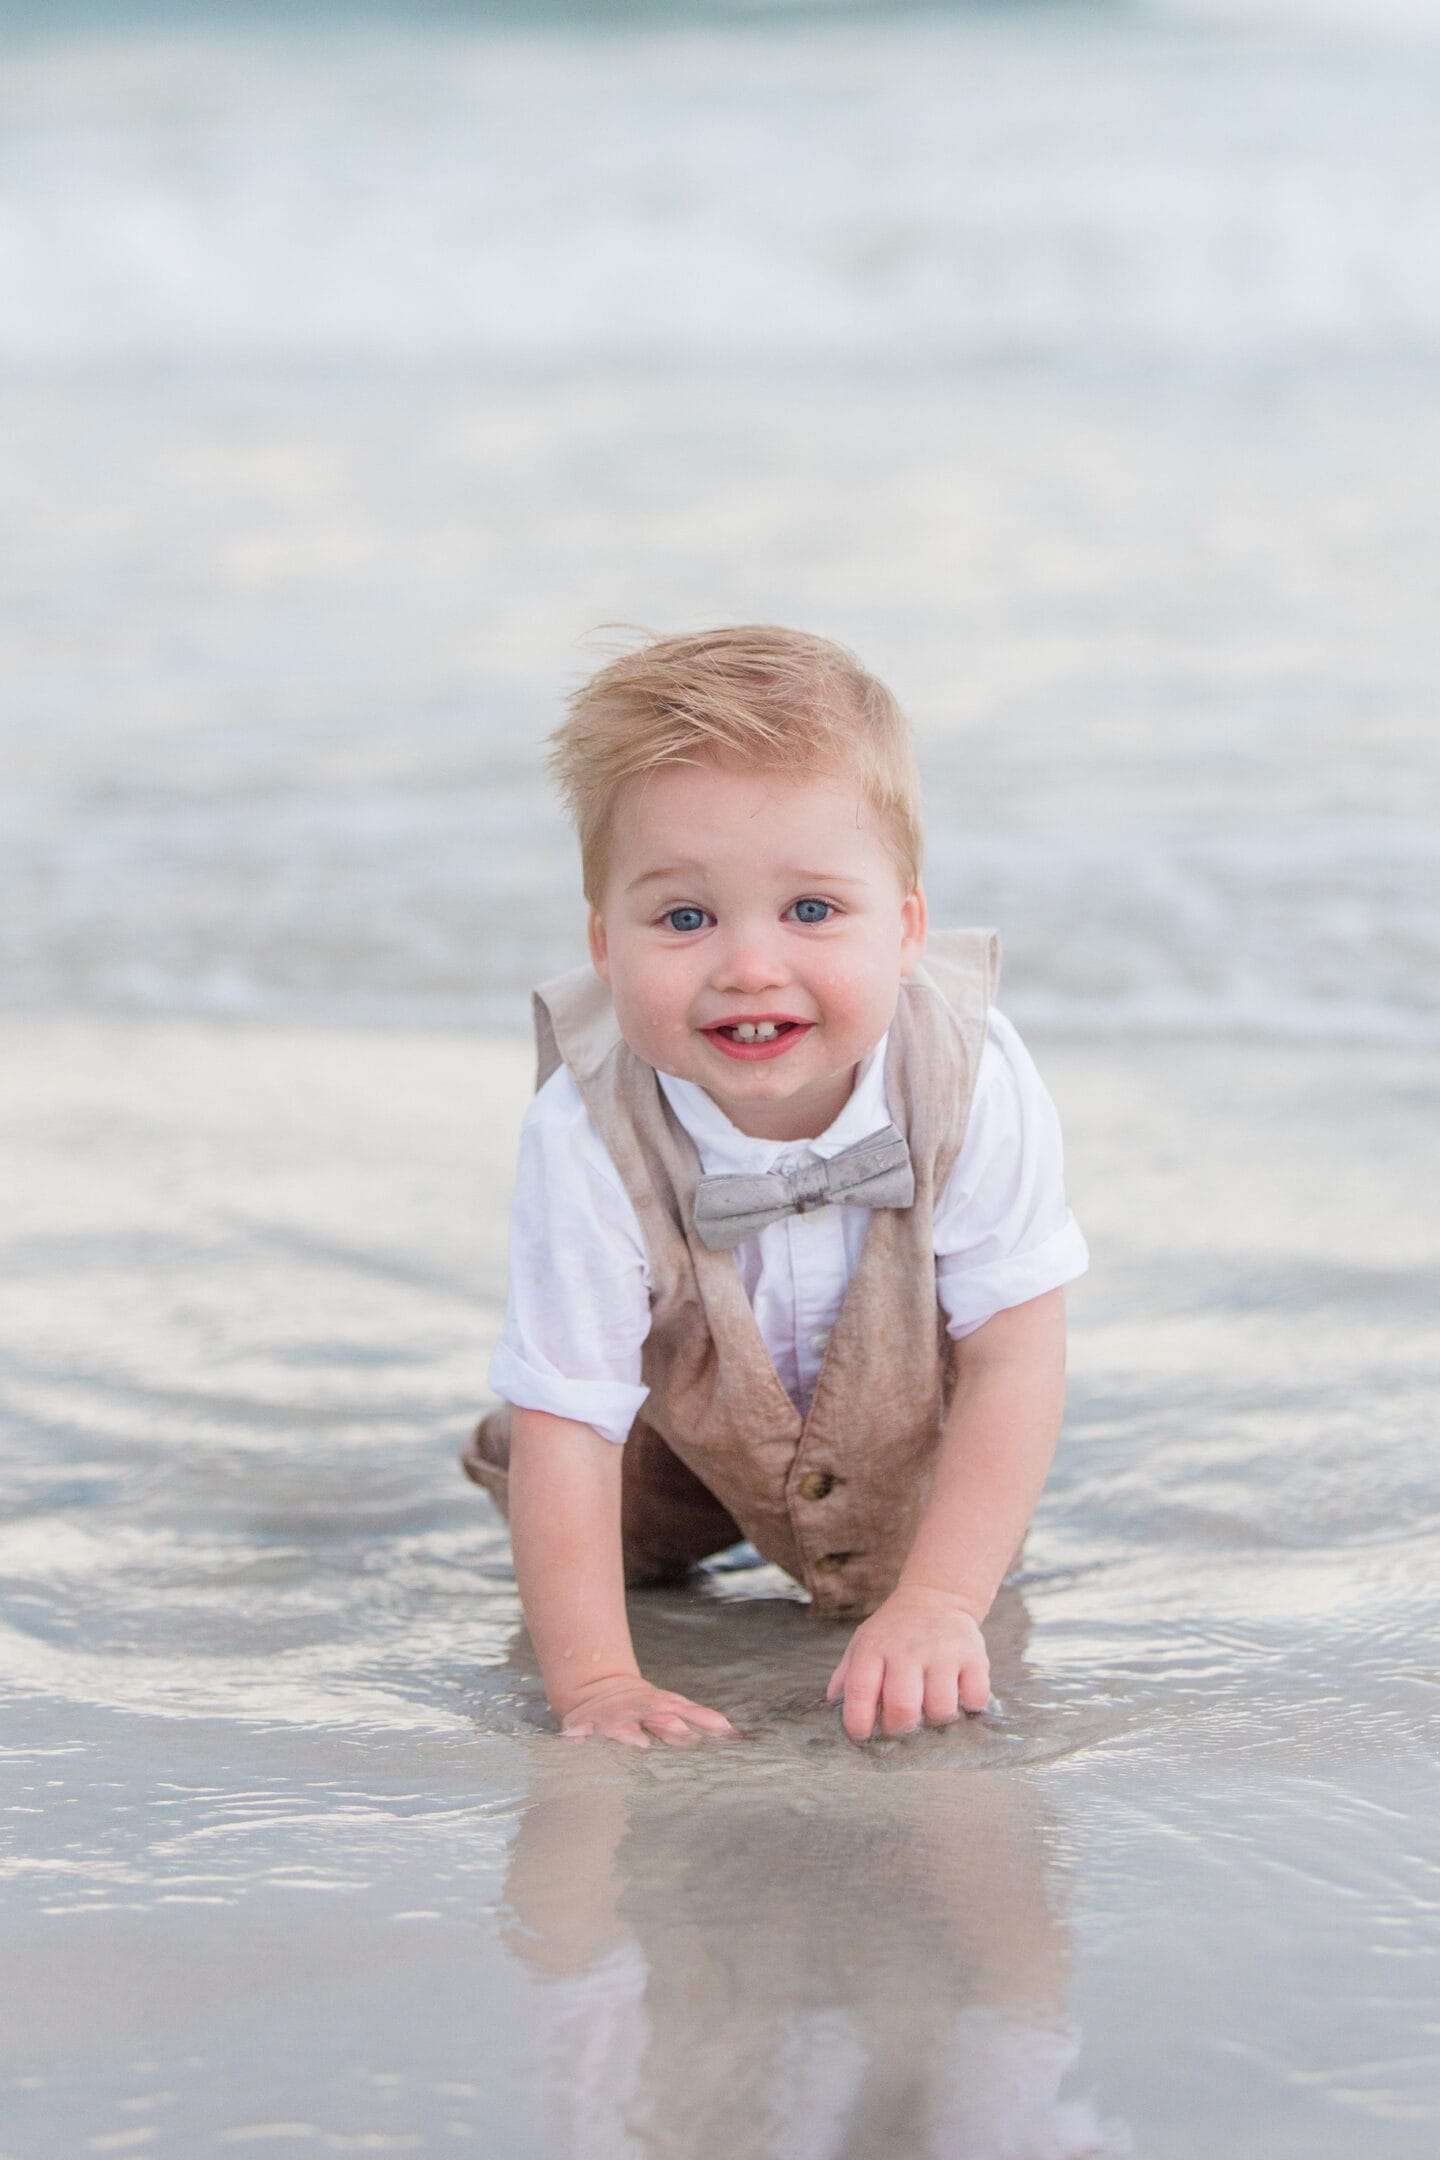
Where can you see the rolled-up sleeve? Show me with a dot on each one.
(1003, 1231)
(578, 1310)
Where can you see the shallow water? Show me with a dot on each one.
(299, 1863)
(1074, 363)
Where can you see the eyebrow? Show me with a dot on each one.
(654, 877)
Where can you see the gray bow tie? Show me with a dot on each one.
(873, 1173)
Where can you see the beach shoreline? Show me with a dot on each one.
(285, 1755)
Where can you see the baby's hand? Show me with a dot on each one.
(921, 1655)
(629, 1709)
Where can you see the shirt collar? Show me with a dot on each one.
(722, 1147)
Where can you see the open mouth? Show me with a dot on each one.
(757, 1038)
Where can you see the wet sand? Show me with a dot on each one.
(297, 1863)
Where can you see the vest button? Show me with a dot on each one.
(815, 1485)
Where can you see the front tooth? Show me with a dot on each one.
(765, 1031)
(745, 1029)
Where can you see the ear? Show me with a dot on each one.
(599, 945)
(914, 922)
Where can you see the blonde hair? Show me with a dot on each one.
(776, 699)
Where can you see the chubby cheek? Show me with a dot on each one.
(652, 999)
(858, 1000)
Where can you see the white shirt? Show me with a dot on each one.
(579, 1303)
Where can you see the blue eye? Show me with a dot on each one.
(686, 918)
(813, 911)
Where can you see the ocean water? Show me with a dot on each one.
(360, 371)
(1076, 364)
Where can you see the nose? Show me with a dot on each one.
(747, 962)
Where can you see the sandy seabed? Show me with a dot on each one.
(297, 1863)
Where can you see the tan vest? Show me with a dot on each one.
(834, 1497)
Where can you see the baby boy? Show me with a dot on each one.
(790, 1236)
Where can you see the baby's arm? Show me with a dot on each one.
(922, 1654)
(565, 1534)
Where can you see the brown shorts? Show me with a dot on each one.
(668, 1520)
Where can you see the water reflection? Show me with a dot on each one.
(789, 1947)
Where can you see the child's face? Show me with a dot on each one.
(745, 897)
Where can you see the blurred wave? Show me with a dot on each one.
(363, 905)
(1074, 363)
(947, 186)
